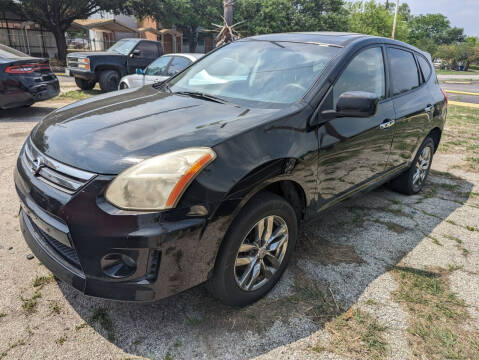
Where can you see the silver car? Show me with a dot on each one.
(159, 70)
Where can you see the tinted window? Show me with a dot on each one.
(364, 73)
(158, 67)
(425, 67)
(404, 71)
(148, 49)
(178, 64)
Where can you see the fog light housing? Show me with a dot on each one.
(118, 266)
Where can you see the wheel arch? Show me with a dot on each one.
(104, 67)
(435, 134)
(284, 184)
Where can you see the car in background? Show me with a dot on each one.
(108, 67)
(24, 79)
(159, 70)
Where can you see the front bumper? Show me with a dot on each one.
(82, 74)
(74, 235)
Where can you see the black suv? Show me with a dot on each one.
(146, 192)
(108, 67)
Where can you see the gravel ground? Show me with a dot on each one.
(346, 255)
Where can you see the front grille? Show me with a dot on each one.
(68, 253)
(72, 62)
(60, 176)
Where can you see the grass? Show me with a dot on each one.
(61, 340)
(455, 72)
(101, 316)
(460, 136)
(30, 304)
(2, 314)
(41, 281)
(356, 334)
(78, 94)
(4, 354)
(436, 325)
(54, 307)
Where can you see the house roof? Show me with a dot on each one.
(102, 24)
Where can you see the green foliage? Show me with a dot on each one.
(431, 30)
(58, 15)
(374, 19)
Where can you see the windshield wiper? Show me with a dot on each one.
(201, 95)
(162, 84)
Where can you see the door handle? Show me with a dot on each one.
(387, 124)
(428, 108)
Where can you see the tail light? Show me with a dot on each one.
(27, 68)
(445, 95)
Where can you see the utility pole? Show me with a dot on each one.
(228, 11)
(395, 18)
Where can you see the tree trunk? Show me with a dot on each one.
(192, 39)
(59, 35)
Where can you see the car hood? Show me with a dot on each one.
(111, 132)
(94, 53)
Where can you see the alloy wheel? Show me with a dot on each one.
(422, 167)
(261, 253)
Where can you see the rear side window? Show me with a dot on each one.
(364, 73)
(425, 67)
(404, 72)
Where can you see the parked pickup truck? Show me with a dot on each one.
(108, 67)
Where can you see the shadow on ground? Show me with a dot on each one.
(25, 114)
(337, 257)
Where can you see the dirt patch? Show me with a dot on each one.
(326, 252)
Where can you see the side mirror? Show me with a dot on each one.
(140, 71)
(359, 104)
(135, 53)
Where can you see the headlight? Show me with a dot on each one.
(83, 63)
(159, 182)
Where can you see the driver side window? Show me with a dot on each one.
(364, 73)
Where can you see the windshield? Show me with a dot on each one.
(261, 71)
(123, 47)
(158, 67)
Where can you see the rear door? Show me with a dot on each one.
(412, 102)
(353, 151)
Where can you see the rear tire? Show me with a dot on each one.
(85, 84)
(109, 80)
(412, 181)
(265, 259)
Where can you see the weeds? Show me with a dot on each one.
(101, 316)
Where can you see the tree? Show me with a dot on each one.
(272, 16)
(57, 15)
(463, 53)
(187, 16)
(375, 19)
(436, 27)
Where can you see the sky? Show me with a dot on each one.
(461, 13)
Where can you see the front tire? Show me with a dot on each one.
(412, 181)
(123, 85)
(109, 80)
(85, 84)
(255, 251)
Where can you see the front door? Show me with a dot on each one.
(148, 51)
(353, 151)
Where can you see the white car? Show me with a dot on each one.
(159, 70)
